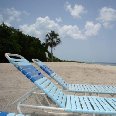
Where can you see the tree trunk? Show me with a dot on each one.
(52, 54)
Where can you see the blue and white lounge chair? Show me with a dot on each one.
(86, 88)
(10, 114)
(67, 103)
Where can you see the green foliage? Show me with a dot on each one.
(52, 40)
(14, 41)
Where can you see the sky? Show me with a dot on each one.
(87, 28)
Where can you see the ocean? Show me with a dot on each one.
(104, 63)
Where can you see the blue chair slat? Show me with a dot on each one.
(53, 90)
(46, 67)
(107, 105)
(111, 102)
(30, 72)
(3, 113)
(98, 104)
(60, 97)
(49, 88)
(103, 105)
(63, 103)
(77, 102)
(87, 87)
(83, 104)
(68, 103)
(46, 70)
(10, 114)
(73, 104)
(45, 84)
(57, 93)
(60, 81)
(114, 99)
(95, 107)
(87, 102)
(35, 78)
(93, 87)
(40, 81)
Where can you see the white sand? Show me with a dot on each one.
(13, 84)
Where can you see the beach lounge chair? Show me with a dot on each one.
(9, 114)
(86, 88)
(65, 102)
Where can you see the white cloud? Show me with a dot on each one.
(44, 25)
(71, 31)
(59, 19)
(11, 15)
(40, 27)
(75, 11)
(92, 29)
(107, 16)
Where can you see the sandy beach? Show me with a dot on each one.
(13, 84)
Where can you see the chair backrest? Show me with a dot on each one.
(38, 79)
(51, 73)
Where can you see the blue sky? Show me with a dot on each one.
(86, 27)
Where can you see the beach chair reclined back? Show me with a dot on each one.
(38, 79)
(52, 74)
(83, 88)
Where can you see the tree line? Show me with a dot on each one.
(14, 41)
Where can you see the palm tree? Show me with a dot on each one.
(52, 40)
